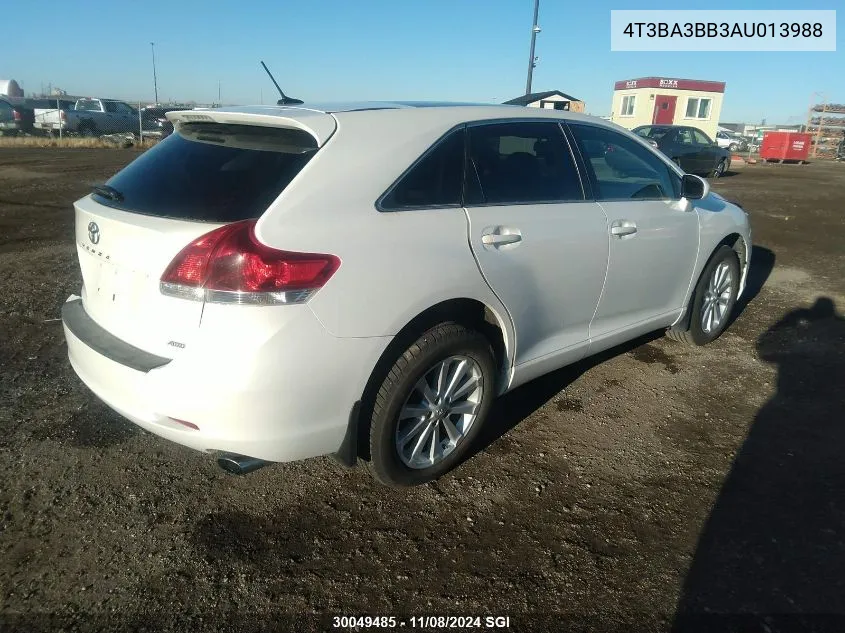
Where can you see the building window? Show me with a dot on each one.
(698, 108)
(628, 105)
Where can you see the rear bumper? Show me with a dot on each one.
(285, 398)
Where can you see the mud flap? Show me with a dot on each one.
(347, 454)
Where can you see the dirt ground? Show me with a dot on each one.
(656, 488)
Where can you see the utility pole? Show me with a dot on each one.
(532, 61)
(155, 80)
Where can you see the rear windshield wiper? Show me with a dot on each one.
(108, 192)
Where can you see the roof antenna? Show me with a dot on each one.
(285, 100)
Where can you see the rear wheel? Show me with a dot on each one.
(713, 300)
(720, 169)
(88, 130)
(431, 406)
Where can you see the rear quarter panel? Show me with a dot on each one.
(395, 265)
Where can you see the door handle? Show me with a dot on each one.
(497, 239)
(621, 228)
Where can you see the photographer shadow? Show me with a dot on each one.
(771, 555)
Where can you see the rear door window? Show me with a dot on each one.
(685, 136)
(212, 172)
(523, 163)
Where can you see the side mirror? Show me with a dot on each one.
(694, 187)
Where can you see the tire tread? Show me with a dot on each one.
(436, 336)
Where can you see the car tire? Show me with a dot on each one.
(710, 299)
(392, 431)
(88, 130)
(719, 170)
(733, 147)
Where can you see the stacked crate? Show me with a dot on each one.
(826, 125)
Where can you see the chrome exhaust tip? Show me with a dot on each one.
(240, 464)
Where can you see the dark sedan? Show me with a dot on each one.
(689, 147)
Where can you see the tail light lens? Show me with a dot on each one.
(229, 265)
(16, 115)
(63, 115)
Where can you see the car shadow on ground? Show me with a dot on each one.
(514, 407)
(762, 264)
(771, 554)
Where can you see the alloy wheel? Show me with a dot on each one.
(439, 412)
(717, 297)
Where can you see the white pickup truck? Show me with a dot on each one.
(89, 117)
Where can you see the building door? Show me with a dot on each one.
(664, 109)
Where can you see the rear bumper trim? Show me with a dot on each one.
(86, 330)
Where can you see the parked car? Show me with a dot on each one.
(155, 122)
(752, 143)
(733, 142)
(690, 148)
(15, 116)
(93, 117)
(274, 283)
(48, 110)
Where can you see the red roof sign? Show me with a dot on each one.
(667, 83)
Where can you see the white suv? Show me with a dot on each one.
(275, 283)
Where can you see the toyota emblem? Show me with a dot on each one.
(93, 232)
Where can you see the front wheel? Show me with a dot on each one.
(431, 405)
(713, 300)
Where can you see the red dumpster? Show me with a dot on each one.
(785, 146)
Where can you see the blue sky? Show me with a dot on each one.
(335, 50)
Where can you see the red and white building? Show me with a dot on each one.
(664, 100)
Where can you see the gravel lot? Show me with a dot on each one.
(636, 491)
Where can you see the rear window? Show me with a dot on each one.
(654, 133)
(212, 172)
(87, 105)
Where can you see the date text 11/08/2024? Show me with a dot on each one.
(359, 623)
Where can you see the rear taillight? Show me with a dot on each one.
(63, 115)
(229, 265)
(16, 115)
